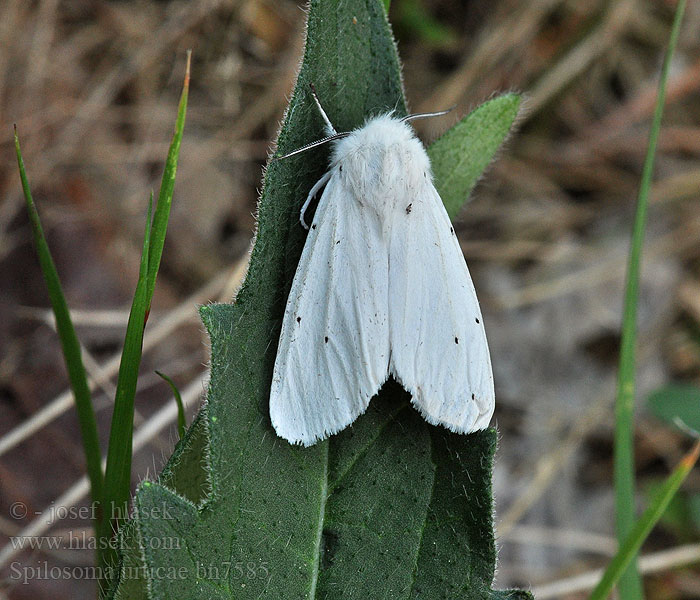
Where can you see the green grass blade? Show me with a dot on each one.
(118, 472)
(641, 529)
(181, 422)
(165, 196)
(630, 586)
(117, 487)
(69, 341)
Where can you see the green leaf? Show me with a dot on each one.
(630, 586)
(185, 472)
(641, 529)
(677, 401)
(130, 574)
(181, 422)
(389, 508)
(117, 489)
(69, 342)
(461, 154)
(682, 515)
(167, 186)
(118, 471)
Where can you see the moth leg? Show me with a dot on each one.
(312, 194)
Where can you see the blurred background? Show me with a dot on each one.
(93, 88)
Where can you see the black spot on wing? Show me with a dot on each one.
(477, 320)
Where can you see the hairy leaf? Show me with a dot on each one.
(389, 508)
(461, 154)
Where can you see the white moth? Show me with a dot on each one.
(381, 289)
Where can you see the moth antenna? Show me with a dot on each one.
(334, 135)
(428, 114)
(329, 125)
(325, 140)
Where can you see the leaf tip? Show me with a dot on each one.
(188, 65)
(692, 457)
(17, 150)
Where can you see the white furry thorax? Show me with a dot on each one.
(382, 161)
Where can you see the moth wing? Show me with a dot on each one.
(438, 343)
(333, 352)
